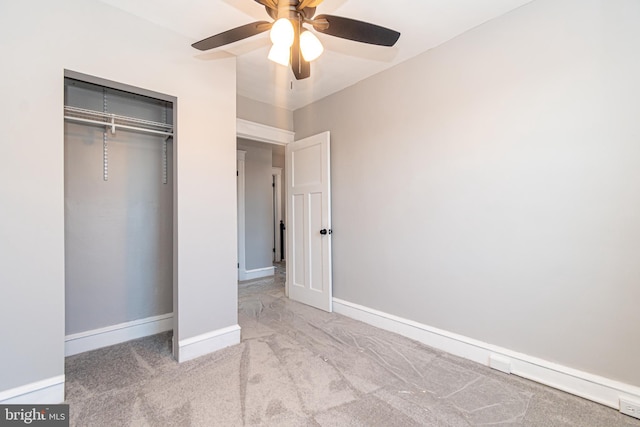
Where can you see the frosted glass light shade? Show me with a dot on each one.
(280, 54)
(310, 46)
(282, 32)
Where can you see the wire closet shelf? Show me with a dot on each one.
(115, 121)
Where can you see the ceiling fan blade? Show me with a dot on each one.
(301, 68)
(232, 35)
(359, 31)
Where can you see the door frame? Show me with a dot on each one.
(276, 173)
(262, 133)
(240, 163)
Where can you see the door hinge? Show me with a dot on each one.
(238, 265)
(237, 173)
(274, 250)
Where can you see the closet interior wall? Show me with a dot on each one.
(118, 220)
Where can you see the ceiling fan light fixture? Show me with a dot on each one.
(282, 33)
(310, 46)
(294, 45)
(280, 54)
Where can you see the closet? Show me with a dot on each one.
(118, 166)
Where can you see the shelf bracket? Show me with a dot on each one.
(105, 156)
(105, 143)
(164, 160)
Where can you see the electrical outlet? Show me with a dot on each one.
(630, 407)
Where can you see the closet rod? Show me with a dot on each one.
(99, 123)
(99, 118)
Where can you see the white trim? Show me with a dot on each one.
(200, 345)
(263, 133)
(240, 164)
(258, 273)
(592, 387)
(116, 334)
(49, 391)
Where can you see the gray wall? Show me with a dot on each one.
(259, 112)
(491, 187)
(258, 204)
(141, 54)
(118, 233)
(278, 156)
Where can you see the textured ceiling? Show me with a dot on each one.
(424, 24)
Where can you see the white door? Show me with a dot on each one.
(309, 217)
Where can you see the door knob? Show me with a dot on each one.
(325, 231)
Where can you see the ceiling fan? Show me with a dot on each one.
(292, 42)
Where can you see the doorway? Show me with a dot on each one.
(276, 139)
(260, 207)
(310, 269)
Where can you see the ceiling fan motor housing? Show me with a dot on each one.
(289, 9)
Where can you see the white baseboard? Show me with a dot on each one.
(116, 334)
(45, 392)
(258, 273)
(200, 345)
(588, 386)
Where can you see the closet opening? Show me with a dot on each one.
(119, 194)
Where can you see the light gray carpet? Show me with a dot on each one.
(297, 366)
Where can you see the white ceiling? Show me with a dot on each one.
(424, 24)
